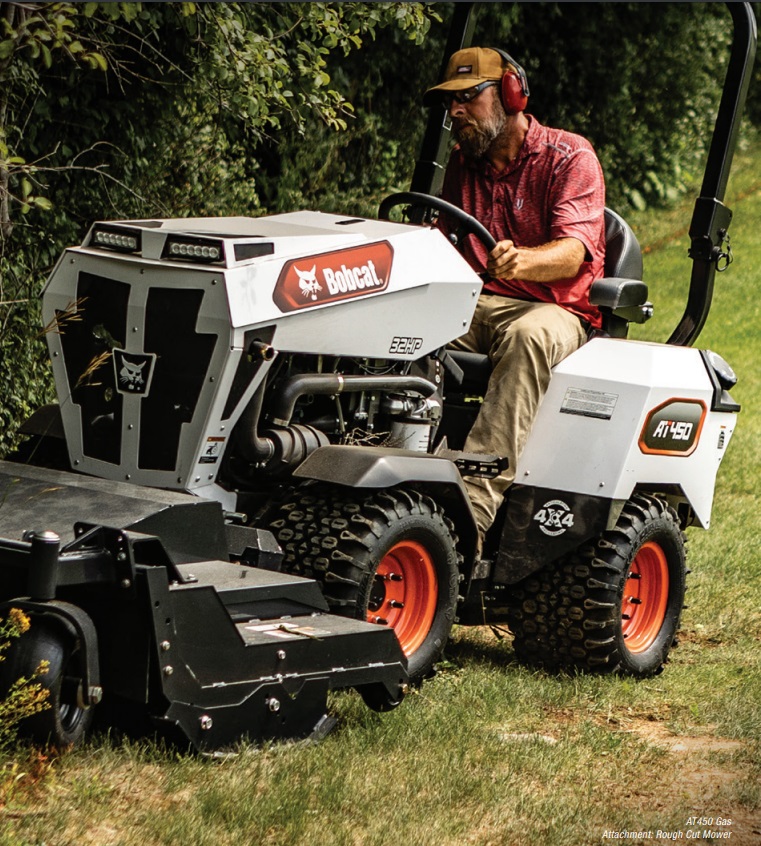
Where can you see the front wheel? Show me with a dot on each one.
(64, 722)
(387, 557)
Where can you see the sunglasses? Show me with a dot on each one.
(465, 96)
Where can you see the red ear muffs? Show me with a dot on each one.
(514, 98)
(514, 86)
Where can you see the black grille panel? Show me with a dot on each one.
(100, 323)
(182, 363)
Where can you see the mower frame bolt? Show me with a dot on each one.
(281, 655)
(273, 705)
(206, 722)
(168, 670)
(165, 646)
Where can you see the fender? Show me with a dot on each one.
(542, 525)
(381, 467)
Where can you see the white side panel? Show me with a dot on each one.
(588, 431)
(429, 298)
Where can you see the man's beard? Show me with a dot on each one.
(476, 137)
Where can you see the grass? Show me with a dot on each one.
(489, 753)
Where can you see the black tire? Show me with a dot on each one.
(64, 723)
(385, 556)
(377, 697)
(613, 606)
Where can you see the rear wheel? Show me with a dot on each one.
(612, 606)
(64, 723)
(385, 556)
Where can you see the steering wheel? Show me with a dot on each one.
(467, 222)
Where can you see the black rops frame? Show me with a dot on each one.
(710, 218)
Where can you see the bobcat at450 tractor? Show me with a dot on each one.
(251, 489)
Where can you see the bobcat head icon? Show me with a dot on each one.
(133, 371)
(308, 282)
(131, 375)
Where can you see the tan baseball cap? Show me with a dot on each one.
(468, 68)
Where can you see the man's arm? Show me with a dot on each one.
(550, 262)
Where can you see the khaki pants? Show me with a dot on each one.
(524, 341)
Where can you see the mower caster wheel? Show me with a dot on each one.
(50, 658)
(377, 697)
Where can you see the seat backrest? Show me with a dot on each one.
(623, 256)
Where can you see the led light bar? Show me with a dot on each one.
(113, 238)
(205, 251)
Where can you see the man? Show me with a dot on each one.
(541, 194)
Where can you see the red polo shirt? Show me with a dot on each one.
(553, 189)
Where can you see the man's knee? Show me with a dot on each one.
(547, 332)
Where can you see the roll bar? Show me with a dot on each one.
(711, 218)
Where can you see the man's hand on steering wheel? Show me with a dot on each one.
(503, 261)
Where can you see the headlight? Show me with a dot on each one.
(205, 251)
(115, 238)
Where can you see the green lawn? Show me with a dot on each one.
(489, 752)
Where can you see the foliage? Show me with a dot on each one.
(25, 697)
(642, 81)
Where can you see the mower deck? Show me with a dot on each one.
(210, 649)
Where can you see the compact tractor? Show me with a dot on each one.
(250, 491)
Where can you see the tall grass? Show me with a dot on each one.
(489, 752)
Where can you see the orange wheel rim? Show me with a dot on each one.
(404, 594)
(646, 594)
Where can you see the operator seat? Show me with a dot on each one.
(621, 296)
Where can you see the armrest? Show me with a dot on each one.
(615, 292)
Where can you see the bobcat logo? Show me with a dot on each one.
(133, 371)
(308, 282)
(131, 375)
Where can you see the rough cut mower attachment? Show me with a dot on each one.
(210, 650)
